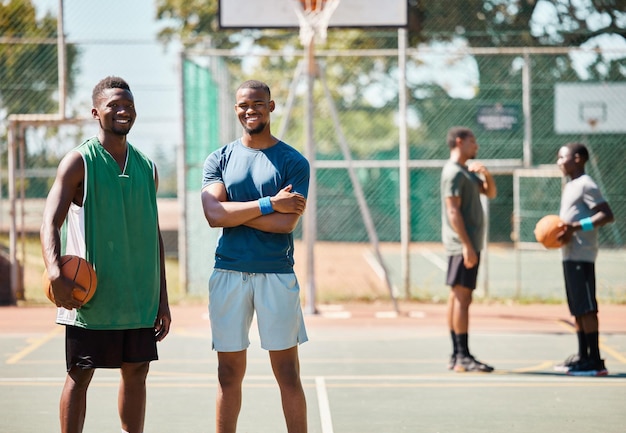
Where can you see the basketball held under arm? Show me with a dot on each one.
(67, 188)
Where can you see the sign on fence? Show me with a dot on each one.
(498, 117)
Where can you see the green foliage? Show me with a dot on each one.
(29, 73)
(194, 22)
(479, 23)
(364, 91)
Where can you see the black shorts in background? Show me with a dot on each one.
(88, 348)
(459, 275)
(580, 285)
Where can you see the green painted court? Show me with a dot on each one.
(363, 370)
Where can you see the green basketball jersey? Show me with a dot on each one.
(116, 229)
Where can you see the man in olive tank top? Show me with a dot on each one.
(462, 233)
(102, 207)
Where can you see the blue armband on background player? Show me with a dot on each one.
(586, 224)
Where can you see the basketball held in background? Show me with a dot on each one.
(78, 270)
(312, 5)
(547, 231)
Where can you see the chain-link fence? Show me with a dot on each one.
(506, 95)
(45, 86)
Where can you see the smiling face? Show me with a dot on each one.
(253, 110)
(115, 110)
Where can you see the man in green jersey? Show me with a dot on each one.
(102, 207)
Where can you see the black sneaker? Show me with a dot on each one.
(588, 367)
(469, 363)
(569, 362)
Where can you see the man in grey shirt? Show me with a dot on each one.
(583, 210)
(462, 233)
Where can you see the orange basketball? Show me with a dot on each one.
(78, 270)
(547, 230)
(312, 5)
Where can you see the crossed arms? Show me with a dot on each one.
(219, 212)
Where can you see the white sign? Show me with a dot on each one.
(281, 14)
(583, 108)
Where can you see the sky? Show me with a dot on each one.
(118, 37)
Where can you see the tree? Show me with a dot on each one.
(364, 89)
(482, 23)
(28, 55)
(471, 23)
(29, 74)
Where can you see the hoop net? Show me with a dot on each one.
(314, 16)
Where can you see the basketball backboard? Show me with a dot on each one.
(256, 14)
(589, 108)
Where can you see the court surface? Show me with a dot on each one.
(507, 273)
(364, 370)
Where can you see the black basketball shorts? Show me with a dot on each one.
(88, 348)
(580, 285)
(459, 275)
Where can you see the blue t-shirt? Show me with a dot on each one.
(249, 174)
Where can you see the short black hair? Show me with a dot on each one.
(458, 132)
(110, 82)
(579, 149)
(255, 84)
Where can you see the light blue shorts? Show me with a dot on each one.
(235, 296)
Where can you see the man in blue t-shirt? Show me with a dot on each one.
(255, 189)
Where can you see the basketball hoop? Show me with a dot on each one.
(314, 16)
(593, 113)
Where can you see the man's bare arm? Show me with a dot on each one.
(219, 212)
(488, 185)
(67, 187)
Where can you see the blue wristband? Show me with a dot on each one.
(586, 224)
(266, 206)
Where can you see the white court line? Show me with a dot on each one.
(373, 262)
(378, 269)
(336, 314)
(322, 401)
(435, 259)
